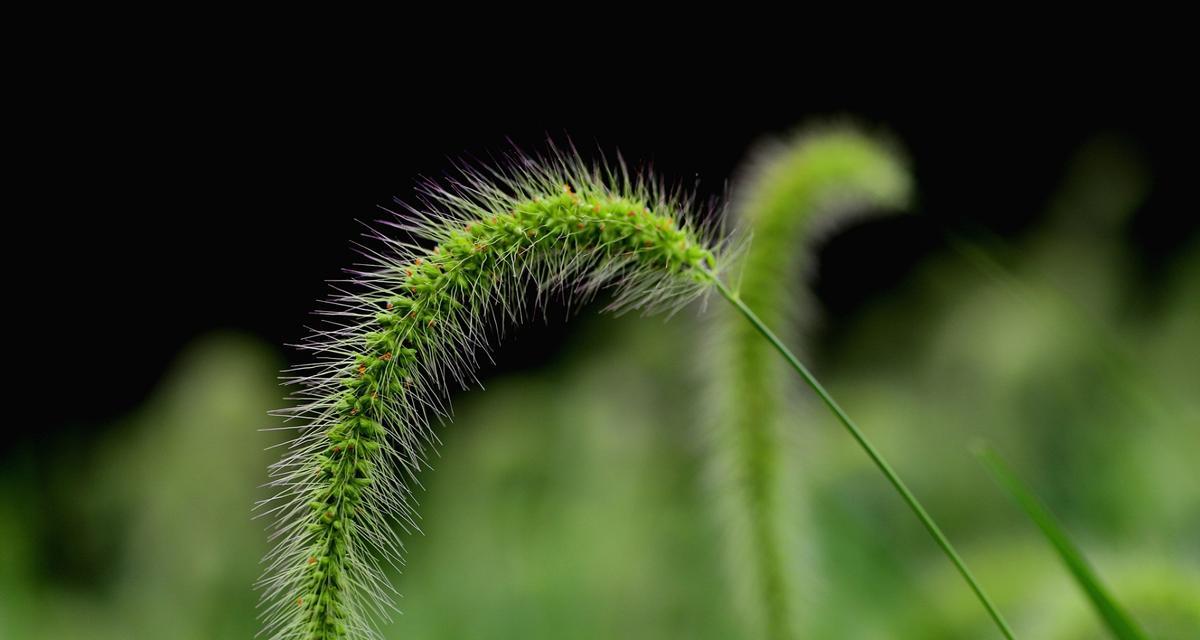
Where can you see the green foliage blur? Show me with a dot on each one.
(570, 502)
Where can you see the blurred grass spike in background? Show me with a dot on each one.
(793, 191)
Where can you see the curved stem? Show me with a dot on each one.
(866, 445)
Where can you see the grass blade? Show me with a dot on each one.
(1115, 618)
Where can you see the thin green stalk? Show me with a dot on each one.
(1118, 621)
(862, 440)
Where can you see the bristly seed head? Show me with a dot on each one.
(364, 408)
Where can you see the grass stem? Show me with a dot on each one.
(878, 459)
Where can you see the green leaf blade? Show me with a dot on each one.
(1115, 618)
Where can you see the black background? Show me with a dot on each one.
(174, 198)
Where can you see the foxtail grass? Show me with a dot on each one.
(411, 320)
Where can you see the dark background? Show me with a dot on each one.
(185, 199)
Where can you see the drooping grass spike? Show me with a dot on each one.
(414, 317)
(411, 320)
(792, 191)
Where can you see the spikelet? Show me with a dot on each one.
(410, 322)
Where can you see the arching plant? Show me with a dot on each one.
(413, 319)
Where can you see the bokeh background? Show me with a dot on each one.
(1043, 293)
